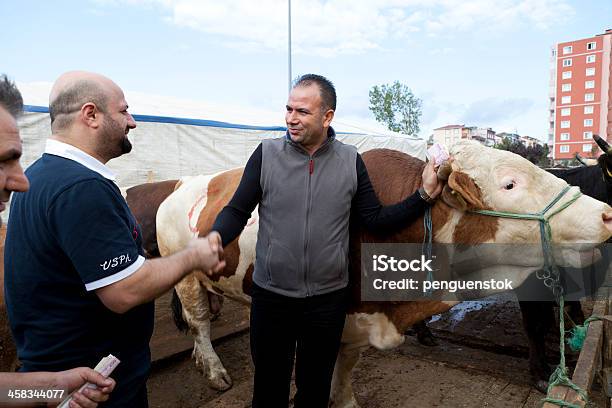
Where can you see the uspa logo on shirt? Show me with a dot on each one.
(116, 261)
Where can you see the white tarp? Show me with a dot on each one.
(164, 150)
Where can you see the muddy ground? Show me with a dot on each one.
(481, 362)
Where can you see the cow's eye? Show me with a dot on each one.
(509, 186)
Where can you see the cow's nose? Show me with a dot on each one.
(607, 219)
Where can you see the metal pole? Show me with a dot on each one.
(289, 46)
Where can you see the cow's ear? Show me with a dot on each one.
(453, 199)
(605, 163)
(462, 193)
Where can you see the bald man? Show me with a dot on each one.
(12, 180)
(80, 286)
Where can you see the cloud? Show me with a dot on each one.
(502, 114)
(499, 15)
(493, 110)
(332, 27)
(441, 51)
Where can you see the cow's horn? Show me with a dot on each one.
(580, 159)
(603, 145)
(444, 170)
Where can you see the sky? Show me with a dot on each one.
(474, 62)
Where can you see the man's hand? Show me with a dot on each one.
(215, 241)
(431, 184)
(208, 253)
(70, 380)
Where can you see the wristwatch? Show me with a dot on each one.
(426, 196)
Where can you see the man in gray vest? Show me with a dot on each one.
(305, 185)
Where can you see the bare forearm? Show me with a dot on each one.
(151, 280)
(38, 379)
(159, 275)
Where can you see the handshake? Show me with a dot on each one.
(207, 253)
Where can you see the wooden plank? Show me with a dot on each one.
(608, 334)
(589, 362)
(558, 392)
(606, 379)
(590, 359)
(167, 341)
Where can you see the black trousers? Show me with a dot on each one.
(309, 329)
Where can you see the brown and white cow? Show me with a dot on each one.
(144, 200)
(480, 178)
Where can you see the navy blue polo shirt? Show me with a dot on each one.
(69, 235)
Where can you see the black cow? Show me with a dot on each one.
(538, 316)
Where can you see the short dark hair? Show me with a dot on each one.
(10, 97)
(72, 98)
(326, 89)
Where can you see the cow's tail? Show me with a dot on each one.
(177, 312)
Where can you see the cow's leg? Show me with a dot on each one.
(424, 335)
(538, 317)
(215, 303)
(342, 395)
(574, 311)
(197, 315)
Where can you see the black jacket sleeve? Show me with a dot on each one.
(231, 220)
(373, 215)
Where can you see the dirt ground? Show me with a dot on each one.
(491, 371)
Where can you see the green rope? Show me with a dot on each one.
(559, 376)
(428, 244)
(579, 332)
(550, 277)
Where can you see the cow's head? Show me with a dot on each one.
(605, 159)
(483, 178)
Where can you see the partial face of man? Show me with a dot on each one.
(116, 125)
(11, 173)
(306, 122)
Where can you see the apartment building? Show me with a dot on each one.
(580, 95)
(448, 135)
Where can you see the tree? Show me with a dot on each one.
(536, 154)
(396, 106)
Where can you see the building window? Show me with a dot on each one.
(588, 109)
(566, 74)
(566, 99)
(567, 49)
(587, 135)
(564, 149)
(566, 87)
(590, 58)
(565, 111)
(591, 46)
(564, 136)
(590, 71)
(589, 84)
(567, 62)
(588, 122)
(565, 124)
(586, 148)
(589, 97)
